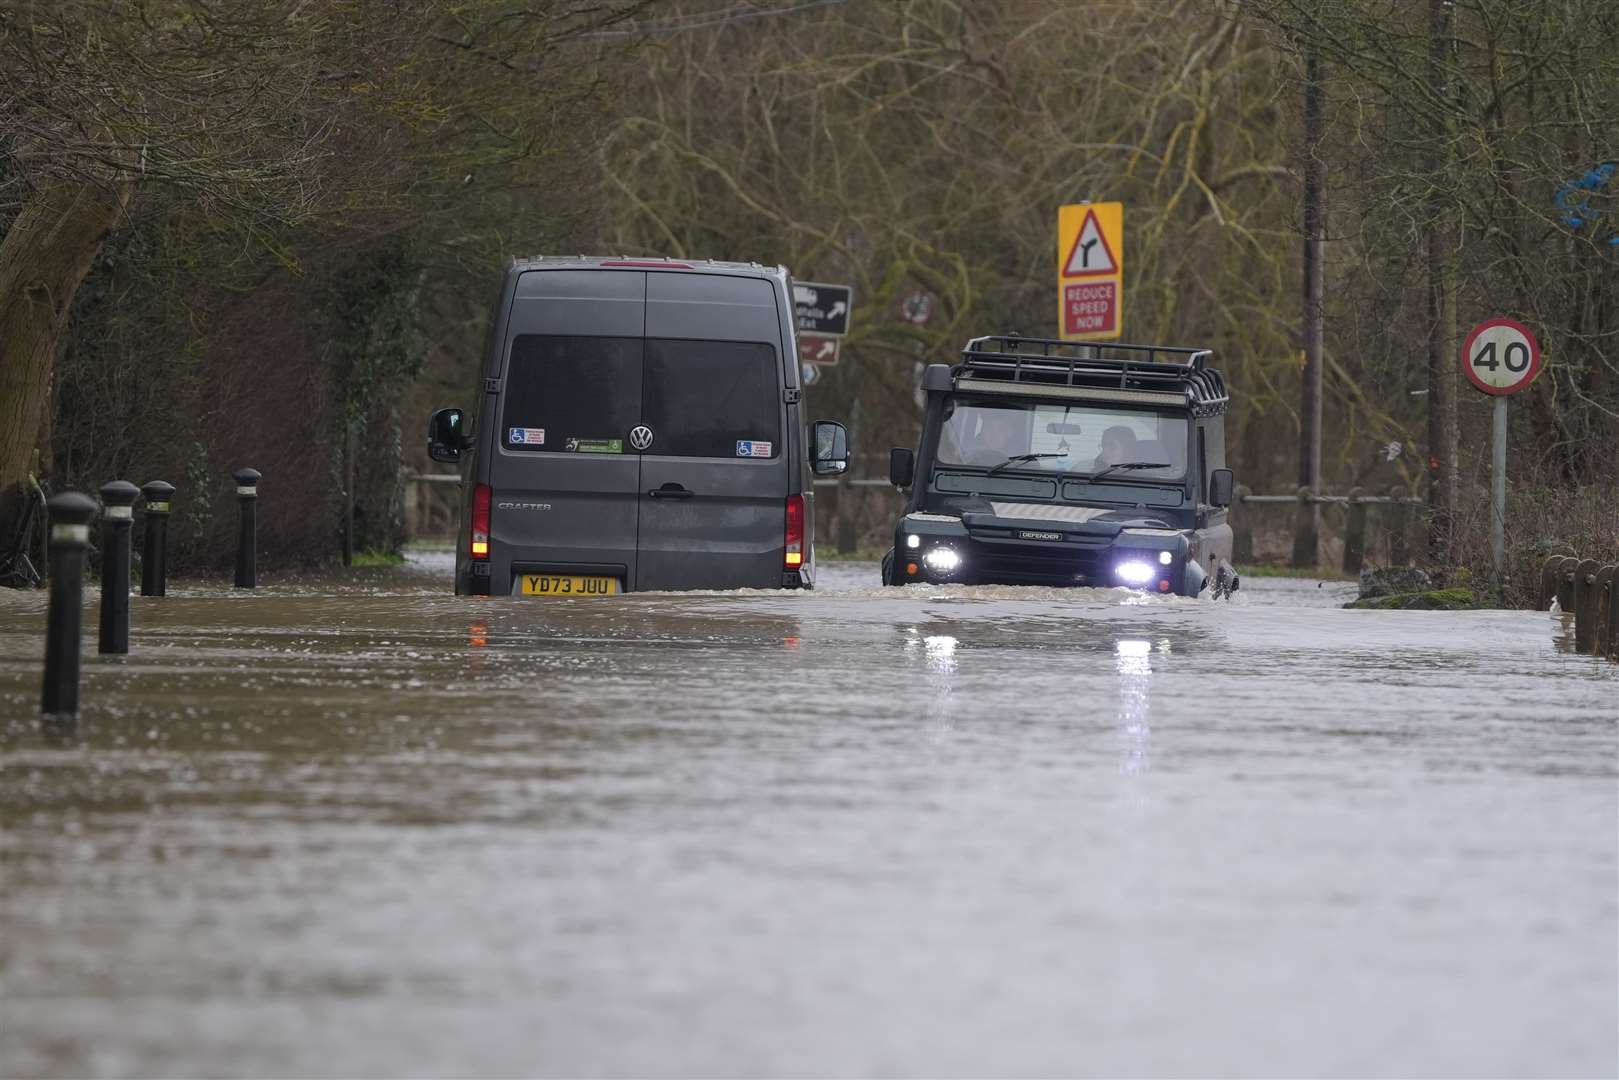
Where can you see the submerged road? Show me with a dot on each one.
(371, 828)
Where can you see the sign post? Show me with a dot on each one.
(1090, 270)
(822, 313)
(1500, 357)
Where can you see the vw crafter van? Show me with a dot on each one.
(637, 427)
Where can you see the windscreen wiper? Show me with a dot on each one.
(1130, 465)
(1015, 458)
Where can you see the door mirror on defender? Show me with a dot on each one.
(830, 456)
(446, 436)
(1220, 482)
(901, 466)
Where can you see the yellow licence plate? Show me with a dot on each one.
(568, 585)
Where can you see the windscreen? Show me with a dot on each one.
(1071, 438)
(578, 394)
(717, 399)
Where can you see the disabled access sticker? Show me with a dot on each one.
(752, 448)
(526, 436)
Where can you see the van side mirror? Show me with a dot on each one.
(901, 466)
(1220, 487)
(446, 437)
(830, 453)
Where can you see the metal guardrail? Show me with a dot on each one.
(1589, 591)
(453, 478)
(1398, 510)
(1398, 506)
(871, 482)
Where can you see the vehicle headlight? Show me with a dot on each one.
(1134, 571)
(913, 541)
(1165, 558)
(942, 560)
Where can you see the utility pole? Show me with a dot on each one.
(1307, 539)
(1441, 297)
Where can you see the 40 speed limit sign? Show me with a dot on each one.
(1501, 356)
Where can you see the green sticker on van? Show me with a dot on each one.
(593, 446)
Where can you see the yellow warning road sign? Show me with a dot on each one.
(1090, 270)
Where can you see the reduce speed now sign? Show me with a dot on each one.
(1501, 356)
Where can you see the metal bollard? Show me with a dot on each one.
(71, 512)
(118, 516)
(247, 556)
(155, 547)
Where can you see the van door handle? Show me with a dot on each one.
(671, 491)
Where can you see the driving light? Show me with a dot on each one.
(1165, 558)
(913, 541)
(1134, 572)
(942, 560)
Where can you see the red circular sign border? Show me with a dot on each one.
(1534, 357)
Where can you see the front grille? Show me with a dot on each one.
(1037, 563)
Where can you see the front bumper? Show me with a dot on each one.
(943, 550)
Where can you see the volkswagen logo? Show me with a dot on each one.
(640, 436)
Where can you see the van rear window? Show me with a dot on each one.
(713, 398)
(572, 393)
(718, 399)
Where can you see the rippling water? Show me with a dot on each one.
(377, 829)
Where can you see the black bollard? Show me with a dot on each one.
(71, 512)
(247, 556)
(117, 516)
(155, 550)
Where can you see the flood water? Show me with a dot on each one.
(374, 829)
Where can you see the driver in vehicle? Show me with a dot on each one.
(1118, 445)
(1002, 433)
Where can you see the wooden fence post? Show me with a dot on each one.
(1613, 615)
(1306, 543)
(1355, 532)
(1548, 583)
(1242, 530)
(1399, 527)
(845, 524)
(1585, 605)
(413, 507)
(1565, 585)
(1602, 626)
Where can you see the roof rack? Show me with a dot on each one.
(1145, 374)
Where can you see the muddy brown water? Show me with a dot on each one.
(368, 828)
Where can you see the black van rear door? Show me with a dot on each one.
(565, 483)
(714, 478)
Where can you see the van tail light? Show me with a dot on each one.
(794, 557)
(480, 522)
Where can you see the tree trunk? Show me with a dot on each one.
(43, 259)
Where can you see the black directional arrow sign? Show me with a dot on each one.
(822, 309)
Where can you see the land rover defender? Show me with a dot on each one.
(1046, 462)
